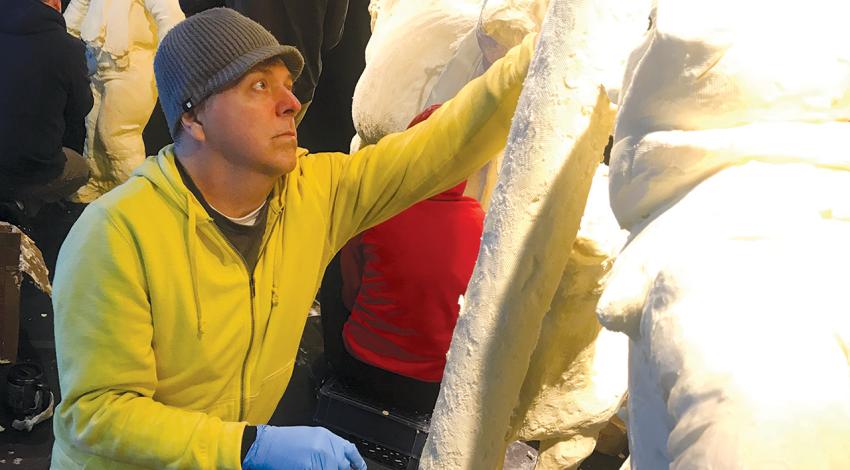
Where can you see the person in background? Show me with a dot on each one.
(180, 297)
(44, 98)
(401, 281)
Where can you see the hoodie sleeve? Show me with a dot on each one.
(383, 179)
(106, 359)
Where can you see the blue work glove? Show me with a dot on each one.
(301, 448)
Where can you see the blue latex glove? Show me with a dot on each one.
(301, 448)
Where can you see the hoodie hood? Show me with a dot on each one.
(29, 17)
(161, 171)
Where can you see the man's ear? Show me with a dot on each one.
(192, 126)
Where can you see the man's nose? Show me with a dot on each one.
(288, 103)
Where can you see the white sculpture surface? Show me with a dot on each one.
(121, 37)
(529, 308)
(423, 52)
(730, 170)
(576, 376)
(411, 43)
(571, 390)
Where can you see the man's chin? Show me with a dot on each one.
(284, 164)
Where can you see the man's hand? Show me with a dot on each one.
(301, 448)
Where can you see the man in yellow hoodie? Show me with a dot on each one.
(181, 295)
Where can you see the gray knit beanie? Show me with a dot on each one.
(205, 53)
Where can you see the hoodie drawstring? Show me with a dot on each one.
(191, 240)
(278, 269)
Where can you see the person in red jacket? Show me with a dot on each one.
(401, 281)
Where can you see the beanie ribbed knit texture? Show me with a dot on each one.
(205, 53)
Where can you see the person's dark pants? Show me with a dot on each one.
(388, 388)
(73, 176)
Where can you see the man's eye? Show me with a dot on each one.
(259, 85)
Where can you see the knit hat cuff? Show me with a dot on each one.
(236, 69)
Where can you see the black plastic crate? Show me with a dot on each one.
(390, 437)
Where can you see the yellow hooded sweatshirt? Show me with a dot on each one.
(168, 347)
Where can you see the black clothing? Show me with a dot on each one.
(75, 173)
(391, 390)
(245, 238)
(249, 435)
(312, 26)
(191, 7)
(44, 93)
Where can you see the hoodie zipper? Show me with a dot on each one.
(252, 291)
(252, 294)
(250, 345)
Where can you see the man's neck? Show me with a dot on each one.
(233, 191)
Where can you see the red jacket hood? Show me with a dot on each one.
(451, 194)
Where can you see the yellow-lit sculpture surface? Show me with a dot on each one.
(730, 169)
(730, 173)
(566, 392)
(121, 38)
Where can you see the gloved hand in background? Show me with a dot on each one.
(301, 448)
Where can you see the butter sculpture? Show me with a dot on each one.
(730, 170)
(552, 375)
(121, 38)
(527, 358)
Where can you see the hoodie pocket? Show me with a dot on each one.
(263, 404)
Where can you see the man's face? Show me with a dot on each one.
(252, 123)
